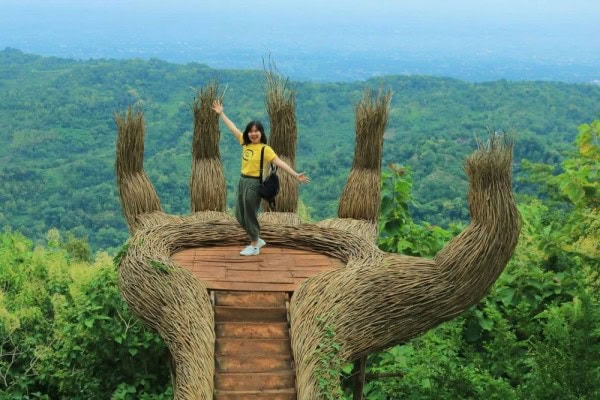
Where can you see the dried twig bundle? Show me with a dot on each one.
(362, 193)
(371, 119)
(208, 191)
(361, 196)
(206, 123)
(135, 189)
(281, 107)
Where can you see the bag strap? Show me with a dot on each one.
(273, 167)
(262, 156)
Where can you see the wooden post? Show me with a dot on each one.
(360, 366)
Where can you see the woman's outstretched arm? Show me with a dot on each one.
(301, 176)
(217, 106)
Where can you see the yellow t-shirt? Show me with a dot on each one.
(251, 158)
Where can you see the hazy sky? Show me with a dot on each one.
(564, 31)
(513, 10)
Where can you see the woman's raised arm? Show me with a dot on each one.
(301, 176)
(217, 106)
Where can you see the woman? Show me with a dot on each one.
(253, 139)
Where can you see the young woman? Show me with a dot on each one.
(252, 140)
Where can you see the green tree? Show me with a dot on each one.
(65, 331)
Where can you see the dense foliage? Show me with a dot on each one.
(65, 332)
(57, 136)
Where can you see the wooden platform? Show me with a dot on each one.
(276, 269)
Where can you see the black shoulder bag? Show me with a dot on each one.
(270, 187)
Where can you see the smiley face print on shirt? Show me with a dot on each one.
(247, 154)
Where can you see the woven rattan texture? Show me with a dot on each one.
(376, 301)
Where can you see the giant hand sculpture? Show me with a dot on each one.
(376, 301)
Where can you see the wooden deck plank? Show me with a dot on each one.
(259, 276)
(224, 260)
(275, 269)
(211, 274)
(253, 287)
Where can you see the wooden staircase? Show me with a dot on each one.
(253, 358)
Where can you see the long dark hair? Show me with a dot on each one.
(261, 129)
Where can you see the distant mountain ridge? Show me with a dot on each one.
(57, 135)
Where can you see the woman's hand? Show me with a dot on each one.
(217, 106)
(282, 164)
(303, 178)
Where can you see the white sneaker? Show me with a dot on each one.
(260, 243)
(250, 251)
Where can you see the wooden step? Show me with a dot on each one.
(252, 330)
(253, 363)
(252, 350)
(250, 314)
(250, 299)
(241, 347)
(254, 381)
(283, 394)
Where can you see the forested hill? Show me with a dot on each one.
(57, 135)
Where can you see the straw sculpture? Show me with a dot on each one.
(135, 189)
(362, 194)
(281, 107)
(207, 169)
(376, 301)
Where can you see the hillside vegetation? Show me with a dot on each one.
(65, 332)
(57, 136)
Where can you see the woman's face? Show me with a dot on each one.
(254, 135)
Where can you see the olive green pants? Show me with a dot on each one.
(246, 209)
